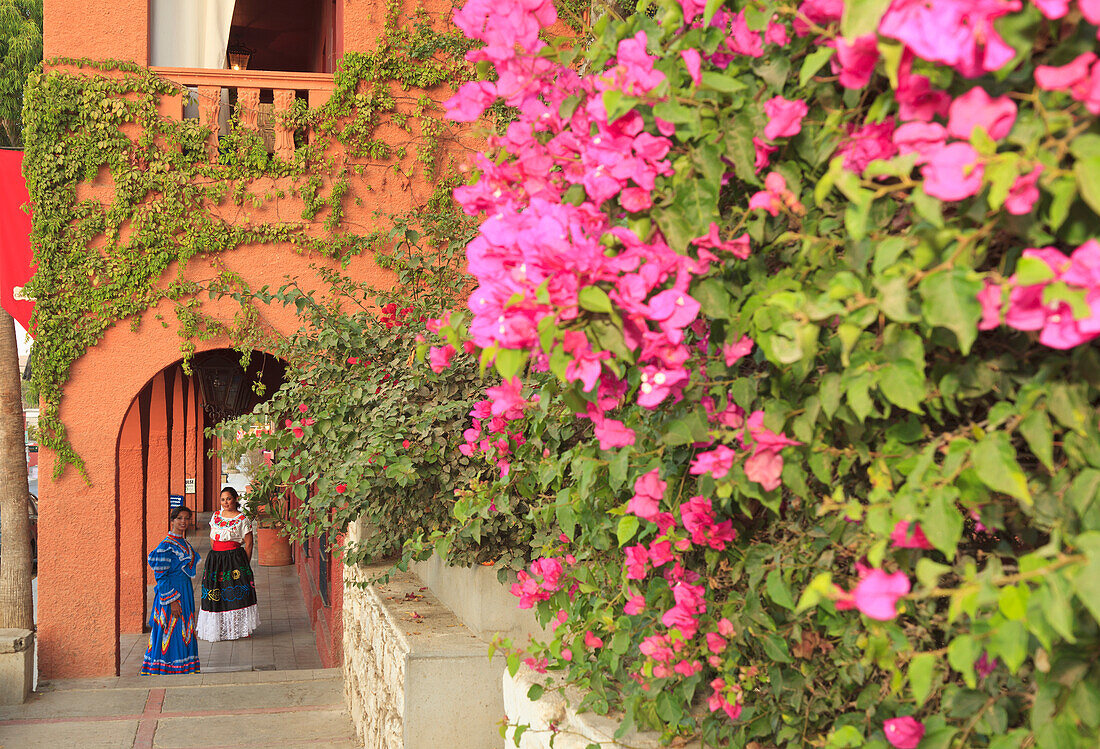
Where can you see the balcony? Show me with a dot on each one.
(261, 97)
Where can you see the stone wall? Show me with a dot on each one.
(415, 677)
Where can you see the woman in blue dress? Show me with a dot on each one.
(172, 645)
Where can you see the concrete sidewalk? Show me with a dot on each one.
(207, 711)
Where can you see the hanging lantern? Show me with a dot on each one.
(225, 392)
(238, 55)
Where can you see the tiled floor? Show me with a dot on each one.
(283, 641)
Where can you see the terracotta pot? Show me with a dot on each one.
(274, 548)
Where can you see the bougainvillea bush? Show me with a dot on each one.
(793, 309)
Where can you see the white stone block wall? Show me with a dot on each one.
(374, 667)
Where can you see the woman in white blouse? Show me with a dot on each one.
(228, 607)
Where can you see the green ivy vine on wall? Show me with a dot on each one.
(94, 126)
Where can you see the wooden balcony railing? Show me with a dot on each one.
(216, 91)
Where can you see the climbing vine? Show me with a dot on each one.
(125, 197)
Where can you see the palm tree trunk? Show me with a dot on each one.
(15, 549)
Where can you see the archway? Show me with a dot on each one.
(165, 458)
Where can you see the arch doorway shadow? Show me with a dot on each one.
(164, 458)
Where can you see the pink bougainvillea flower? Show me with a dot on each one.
(1024, 192)
(649, 489)
(985, 665)
(341, 488)
(634, 605)
(867, 143)
(660, 552)
(776, 33)
(903, 733)
(538, 665)
(990, 299)
(819, 12)
(612, 433)
(591, 641)
(308, 422)
(917, 100)
(738, 246)
(876, 594)
(855, 60)
(693, 62)
(439, 358)
(303, 407)
(959, 33)
(353, 360)
(715, 642)
(775, 196)
(763, 153)
(470, 101)
(1052, 9)
(921, 138)
(506, 398)
(1061, 78)
(908, 535)
(734, 352)
(716, 462)
(784, 117)
(742, 40)
(953, 172)
(976, 109)
(719, 700)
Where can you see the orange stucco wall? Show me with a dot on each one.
(92, 569)
(96, 29)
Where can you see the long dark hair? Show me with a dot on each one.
(233, 492)
(176, 511)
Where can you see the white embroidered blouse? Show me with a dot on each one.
(224, 529)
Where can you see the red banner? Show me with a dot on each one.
(16, 259)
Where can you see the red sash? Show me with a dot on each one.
(224, 545)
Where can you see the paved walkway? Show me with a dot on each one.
(266, 691)
(207, 711)
(283, 641)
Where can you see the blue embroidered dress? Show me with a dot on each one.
(173, 648)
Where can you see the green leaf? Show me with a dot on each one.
(777, 590)
(509, 361)
(1087, 172)
(714, 298)
(903, 385)
(921, 668)
(961, 654)
(941, 521)
(594, 299)
(994, 461)
(1037, 430)
(727, 84)
(709, 10)
(1087, 586)
(628, 526)
(861, 17)
(813, 63)
(535, 692)
(1032, 270)
(1009, 641)
(950, 300)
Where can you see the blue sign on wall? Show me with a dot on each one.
(175, 500)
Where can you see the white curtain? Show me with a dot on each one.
(189, 33)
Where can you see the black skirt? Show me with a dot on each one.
(227, 582)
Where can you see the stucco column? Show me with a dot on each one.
(179, 436)
(191, 445)
(157, 465)
(78, 560)
(200, 457)
(131, 542)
